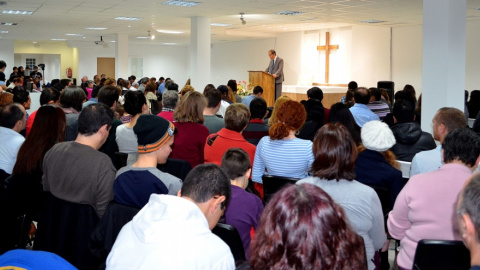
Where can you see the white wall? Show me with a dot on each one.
(51, 61)
(313, 61)
(289, 47)
(407, 57)
(163, 61)
(233, 60)
(6, 54)
(166, 61)
(87, 57)
(472, 65)
(370, 55)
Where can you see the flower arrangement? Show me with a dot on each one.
(243, 89)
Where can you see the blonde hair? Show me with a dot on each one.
(187, 88)
(190, 108)
(231, 95)
(388, 155)
(110, 81)
(273, 119)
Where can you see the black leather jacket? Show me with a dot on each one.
(410, 140)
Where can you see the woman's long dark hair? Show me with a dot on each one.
(47, 130)
(339, 113)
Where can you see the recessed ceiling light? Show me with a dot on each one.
(220, 24)
(96, 28)
(371, 21)
(74, 35)
(113, 41)
(128, 18)
(17, 12)
(169, 32)
(58, 39)
(181, 3)
(143, 37)
(289, 12)
(3, 32)
(169, 43)
(7, 23)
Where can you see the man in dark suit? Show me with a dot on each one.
(276, 69)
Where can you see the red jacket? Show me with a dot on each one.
(218, 143)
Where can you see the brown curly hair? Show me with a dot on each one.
(291, 116)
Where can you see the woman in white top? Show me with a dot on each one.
(282, 153)
(135, 105)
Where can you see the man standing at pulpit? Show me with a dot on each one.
(276, 69)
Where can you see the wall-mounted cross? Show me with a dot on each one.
(327, 49)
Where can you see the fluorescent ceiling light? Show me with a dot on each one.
(3, 32)
(169, 43)
(7, 23)
(220, 24)
(169, 32)
(74, 35)
(143, 37)
(17, 12)
(181, 3)
(58, 39)
(113, 41)
(128, 18)
(96, 28)
(371, 21)
(289, 12)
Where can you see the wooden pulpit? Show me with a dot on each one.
(267, 82)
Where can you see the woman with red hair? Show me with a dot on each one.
(303, 228)
(282, 153)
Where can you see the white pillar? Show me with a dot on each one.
(121, 56)
(7, 54)
(443, 67)
(200, 51)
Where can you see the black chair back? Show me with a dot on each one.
(272, 184)
(120, 160)
(389, 86)
(441, 254)
(65, 230)
(231, 237)
(107, 230)
(176, 167)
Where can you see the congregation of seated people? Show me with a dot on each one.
(138, 174)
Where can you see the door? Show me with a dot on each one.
(106, 65)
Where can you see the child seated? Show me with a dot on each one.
(244, 210)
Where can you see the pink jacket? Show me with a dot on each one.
(425, 209)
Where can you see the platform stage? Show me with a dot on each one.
(331, 94)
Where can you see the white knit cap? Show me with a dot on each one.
(377, 136)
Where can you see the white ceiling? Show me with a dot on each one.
(53, 19)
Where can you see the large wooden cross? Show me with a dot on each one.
(327, 49)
